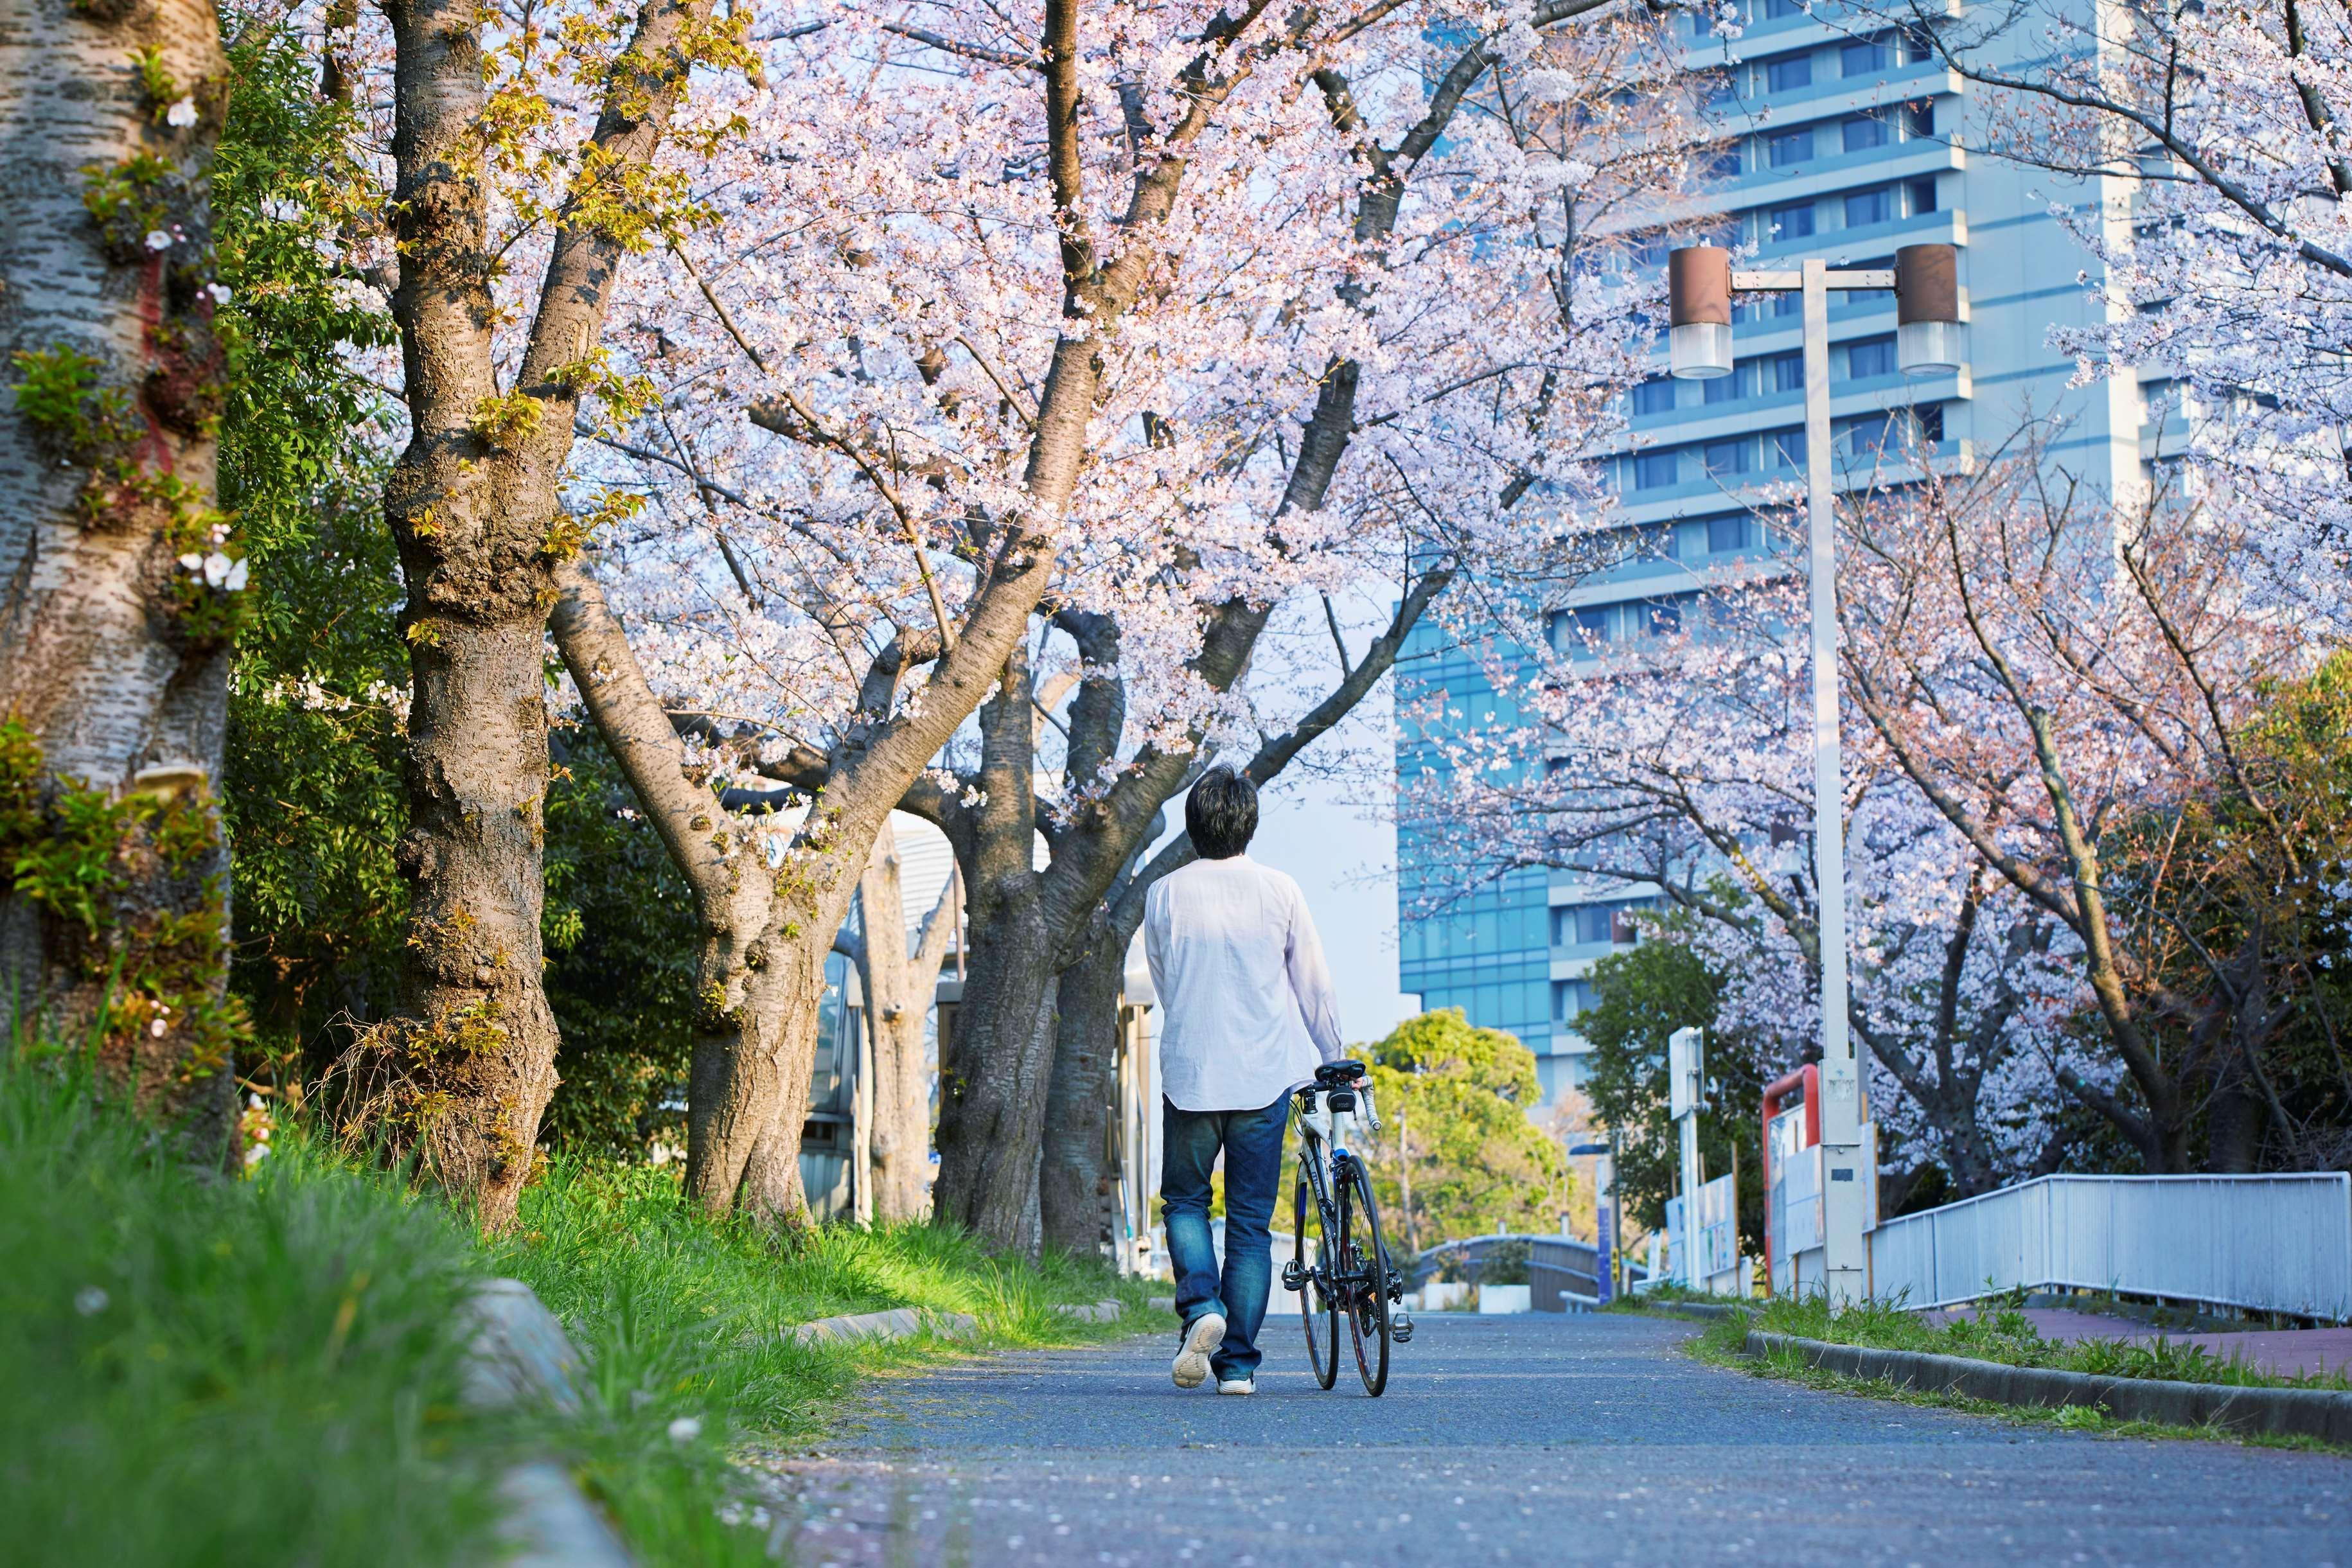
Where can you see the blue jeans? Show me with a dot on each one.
(1252, 1141)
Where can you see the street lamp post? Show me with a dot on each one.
(1701, 286)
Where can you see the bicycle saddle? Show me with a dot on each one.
(1336, 1074)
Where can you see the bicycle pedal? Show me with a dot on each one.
(1293, 1277)
(1400, 1329)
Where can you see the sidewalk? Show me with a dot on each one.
(2281, 1352)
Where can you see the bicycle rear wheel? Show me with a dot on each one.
(1367, 1294)
(1315, 1298)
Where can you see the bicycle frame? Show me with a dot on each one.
(1327, 1162)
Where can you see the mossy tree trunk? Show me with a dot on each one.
(473, 503)
(123, 583)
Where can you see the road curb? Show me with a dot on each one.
(898, 1322)
(1711, 1310)
(2320, 1413)
(517, 1352)
(1103, 1312)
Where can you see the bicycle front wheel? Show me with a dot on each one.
(1311, 1257)
(1368, 1262)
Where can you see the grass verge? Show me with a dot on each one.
(1723, 1340)
(682, 1319)
(205, 1370)
(262, 1370)
(2007, 1336)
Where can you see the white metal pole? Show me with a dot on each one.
(1686, 1264)
(1844, 1262)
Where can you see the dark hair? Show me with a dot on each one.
(1221, 813)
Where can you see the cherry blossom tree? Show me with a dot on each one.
(1683, 765)
(1022, 348)
(525, 159)
(2061, 677)
(2216, 137)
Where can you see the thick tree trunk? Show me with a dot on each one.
(113, 651)
(1074, 1181)
(899, 986)
(473, 504)
(748, 1097)
(993, 1086)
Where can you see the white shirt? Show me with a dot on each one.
(1246, 1007)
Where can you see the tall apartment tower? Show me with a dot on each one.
(1845, 140)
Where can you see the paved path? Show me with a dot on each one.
(1530, 1439)
(2289, 1351)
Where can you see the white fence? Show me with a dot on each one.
(2265, 1243)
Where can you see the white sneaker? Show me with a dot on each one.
(1238, 1386)
(1200, 1341)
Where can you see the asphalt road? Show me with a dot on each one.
(1532, 1439)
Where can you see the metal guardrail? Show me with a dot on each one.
(2260, 1243)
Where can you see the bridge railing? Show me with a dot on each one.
(2262, 1243)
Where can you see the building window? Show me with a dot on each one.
(1865, 55)
(1864, 132)
(1728, 457)
(1870, 356)
(1654, 396)
(1917, 46)
(1569, 998)
(1663, 617)
(1794, 222)
(1787, 447)
(1584, 925)
(1788, 372)
(1927, 418)
(1778, 8)
(1730, 388)
(1580, 632)
(1788, 147)
(1656, 470)
(1789, 73)
(1922, 196)
(1720, 163)
(1919, 119)
(1864, 208)
(1725, 535)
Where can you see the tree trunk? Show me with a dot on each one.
(473, 504)
(733, 888)
(114, 675)
(992, 1087)
(1074, 1182)
(899, 988)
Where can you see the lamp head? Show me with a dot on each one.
(1698, 312)
(1928, 338)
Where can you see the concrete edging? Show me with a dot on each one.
(2320, 1413)
(898, 1322)
(1103, 1312)
(1709, 1309)
(517, 1351)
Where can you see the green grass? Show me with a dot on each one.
(682, 1317)
(1724, 1344)
(2007, 1336)
(205, 1370)
(208, 1371)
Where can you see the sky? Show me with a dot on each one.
(1346, 867)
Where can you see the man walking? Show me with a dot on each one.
(1248, 1012)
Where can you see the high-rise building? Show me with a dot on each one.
(1844, 140)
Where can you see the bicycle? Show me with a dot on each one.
(1350, 1272)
